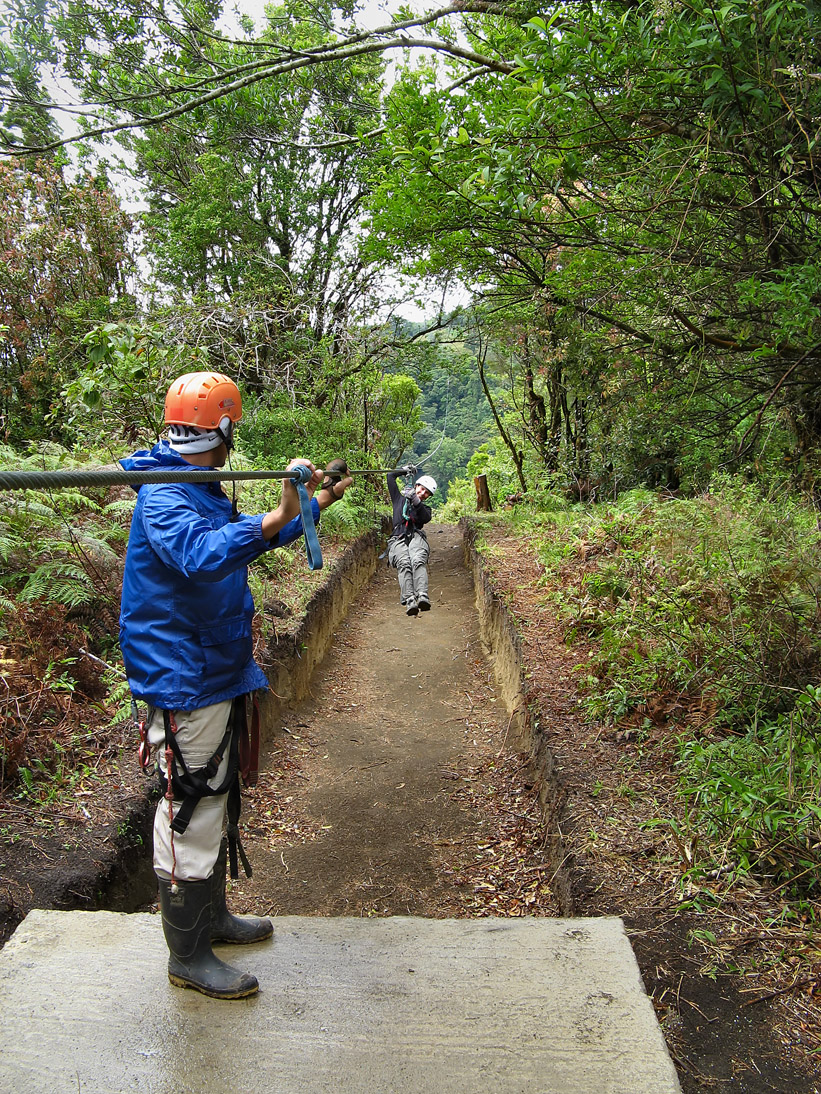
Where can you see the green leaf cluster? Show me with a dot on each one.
(702, 619)
(635, 207)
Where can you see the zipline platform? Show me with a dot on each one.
(407, 1005)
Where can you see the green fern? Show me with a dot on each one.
(9, 543)
(94, 545)
(69, 501)
(59, 581)
(122, 507)
(29, 505)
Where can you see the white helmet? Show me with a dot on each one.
(428, 482)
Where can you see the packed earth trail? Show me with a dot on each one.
(364, 804)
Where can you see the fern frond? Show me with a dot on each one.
(96, 546)
(48, 454)
(9, 543)
(59, 581)
(45, 456)
(122, 507)
(71, 500)
(31, 503)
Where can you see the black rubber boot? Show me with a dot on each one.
(232, 928)
(186, 922)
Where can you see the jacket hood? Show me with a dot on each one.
(161, 457)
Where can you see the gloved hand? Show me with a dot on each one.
(335, 470)
(336, 482)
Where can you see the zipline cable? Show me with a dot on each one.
(299, 475)
(46, 480)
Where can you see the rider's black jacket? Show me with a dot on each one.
(409, 513)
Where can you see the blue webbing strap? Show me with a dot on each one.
(301, 476)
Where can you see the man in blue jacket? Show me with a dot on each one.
(185, 634)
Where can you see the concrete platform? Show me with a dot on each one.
(532, 1006)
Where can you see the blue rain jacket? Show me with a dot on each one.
(186, 611)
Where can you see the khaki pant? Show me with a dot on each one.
(411, 562)
(193, 853)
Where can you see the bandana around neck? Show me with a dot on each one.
(187, 438)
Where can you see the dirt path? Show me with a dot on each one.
(371, 803)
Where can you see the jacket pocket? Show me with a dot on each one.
(227, 648)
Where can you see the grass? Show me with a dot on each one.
(701, 619)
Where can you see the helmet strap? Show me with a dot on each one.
(234, 508)
(226, 431)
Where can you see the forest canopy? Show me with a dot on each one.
(626, 194)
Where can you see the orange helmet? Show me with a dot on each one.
(204, 400)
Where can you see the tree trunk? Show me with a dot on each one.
(482, 494)
(536, 410)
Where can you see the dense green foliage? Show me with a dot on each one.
(629, 191)
(703, 618)
(63, 260)
(456, 422)
(637, 207)
(59, 589)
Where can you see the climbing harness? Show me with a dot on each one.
(189, 786)
(410, 527)
(410, 472)
(180, 784)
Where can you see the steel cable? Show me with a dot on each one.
(47, 480)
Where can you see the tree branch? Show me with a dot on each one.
(357, 45)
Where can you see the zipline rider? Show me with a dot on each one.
(185, 634)
(408, 548)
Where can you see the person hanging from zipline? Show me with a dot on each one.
(408, 548)
(185, 634)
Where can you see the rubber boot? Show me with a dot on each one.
(232, 928)
(186, 922)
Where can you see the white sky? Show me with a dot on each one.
(373, 14)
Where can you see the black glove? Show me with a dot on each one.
(335, 471)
